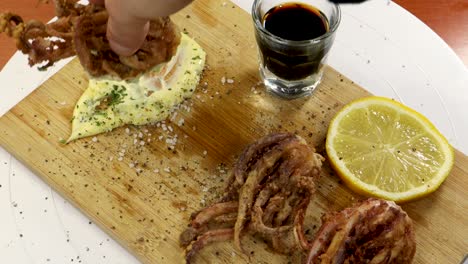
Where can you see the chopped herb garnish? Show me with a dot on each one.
(115, 97)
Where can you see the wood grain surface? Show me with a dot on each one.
(449, 19)
(143, 194)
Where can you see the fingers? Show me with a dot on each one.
(128, 22)
(126, 38)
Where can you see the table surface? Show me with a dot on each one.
(449, 19)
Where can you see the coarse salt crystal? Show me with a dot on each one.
(230, 81)
(223, 80)
(205, 152)
(174, 116)
(140, 135)
(120, 159)
(142, 143)
(170, 128)
(63, 103)
(167, 169)
(156, 170)
(131, 165)
(111, 158)
(127, 130)
(94, 139)
(135, 141)
(181, 122)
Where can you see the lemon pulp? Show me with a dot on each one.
(382, 148)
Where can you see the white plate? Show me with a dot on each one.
(379, 45)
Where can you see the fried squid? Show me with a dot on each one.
(81, 30)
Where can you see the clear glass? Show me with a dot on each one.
(289, 68)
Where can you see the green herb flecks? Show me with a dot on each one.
(115, 97)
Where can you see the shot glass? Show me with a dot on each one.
(292, 66)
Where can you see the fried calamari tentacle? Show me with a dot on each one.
(268, 193)
(209, 237)
(65, 8)
(96, 56)
(42, 43)
(372, 231)
(81, 30)
(247, 158)
(12, 25)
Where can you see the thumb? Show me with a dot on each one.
(125, 31)
(126, 37)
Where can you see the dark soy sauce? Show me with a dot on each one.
(296, 22)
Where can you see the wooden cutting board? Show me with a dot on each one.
(143, 195)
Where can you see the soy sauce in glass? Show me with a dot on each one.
(294, 22)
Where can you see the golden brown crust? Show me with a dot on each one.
(372, 231)
(81, 30)
(268, 193)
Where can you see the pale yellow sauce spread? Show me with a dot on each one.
(149, 98)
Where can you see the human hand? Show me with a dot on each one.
(128, 22)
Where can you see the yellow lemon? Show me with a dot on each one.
(382, 148)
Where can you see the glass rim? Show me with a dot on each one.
(258, 24)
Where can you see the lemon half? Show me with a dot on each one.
(382, 148)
